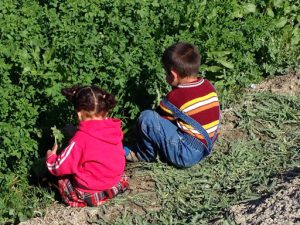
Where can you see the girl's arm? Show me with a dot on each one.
(66, 162)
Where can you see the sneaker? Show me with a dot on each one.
(131, 157)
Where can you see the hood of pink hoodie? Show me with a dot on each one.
(107, 130)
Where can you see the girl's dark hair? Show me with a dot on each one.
(90, 99)
(183, 58)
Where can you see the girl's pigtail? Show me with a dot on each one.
(70, 93)
(109, 100)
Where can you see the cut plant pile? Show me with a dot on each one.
(259, 143)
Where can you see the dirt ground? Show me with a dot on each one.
(287, 84)
(141, 186)
(282, 207)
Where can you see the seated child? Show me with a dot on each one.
(185, 126)
(91, 168)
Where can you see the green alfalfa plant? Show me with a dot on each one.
(15, 189)
(58, 135)
(39, 168)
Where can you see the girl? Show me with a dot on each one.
(91, 167)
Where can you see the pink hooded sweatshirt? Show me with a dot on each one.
(94, 158)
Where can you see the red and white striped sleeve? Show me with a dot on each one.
(66, 162)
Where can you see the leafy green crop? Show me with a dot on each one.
(58, 135)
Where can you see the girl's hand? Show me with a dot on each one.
(53, 150)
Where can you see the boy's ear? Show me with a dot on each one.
(174, 74)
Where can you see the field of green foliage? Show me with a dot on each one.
(49, 44)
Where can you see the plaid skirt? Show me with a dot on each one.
(76, 198)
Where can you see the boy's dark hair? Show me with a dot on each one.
(90, 99)
(183, 58)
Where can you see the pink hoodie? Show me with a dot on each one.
(94, 157)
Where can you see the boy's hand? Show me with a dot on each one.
(53, 150)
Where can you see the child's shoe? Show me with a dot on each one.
(130, 155)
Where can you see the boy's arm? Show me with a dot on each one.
(66, 162)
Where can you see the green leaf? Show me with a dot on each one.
(249, 8)
(295, 39)
(196, 24)
(58, 135)
(238, 13)
(270, 12)
(281, 22)
(213, 14)
(213, 68)
(48, 54)
(278, 3)
(219, 54)
(225, 63)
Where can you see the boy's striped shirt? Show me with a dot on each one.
(198, 100)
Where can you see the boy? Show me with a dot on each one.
(166, 133)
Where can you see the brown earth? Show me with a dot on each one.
(281, 207)
(286, 84)
(142, 186)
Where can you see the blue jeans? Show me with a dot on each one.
(159, 136)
